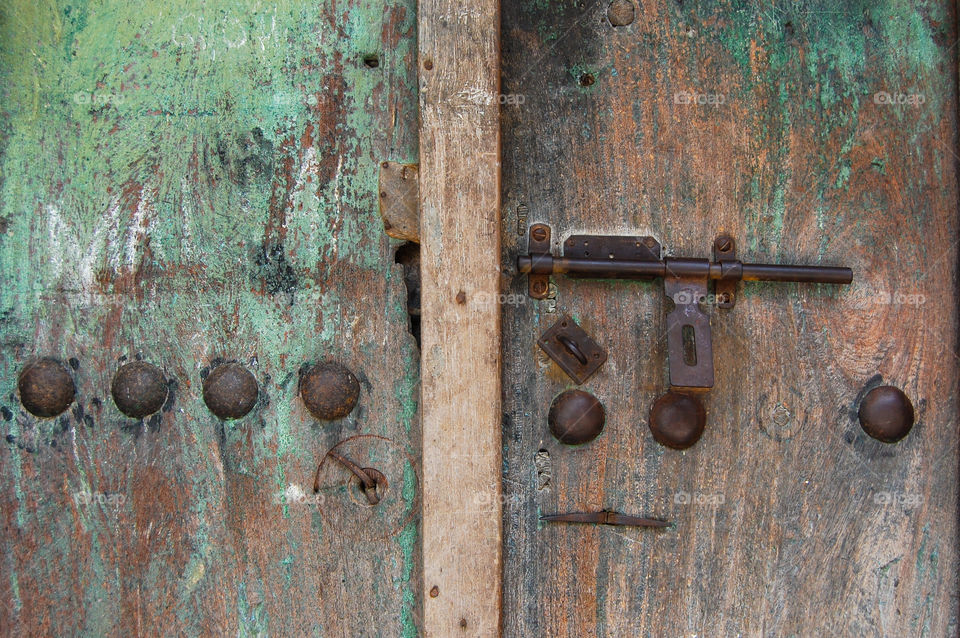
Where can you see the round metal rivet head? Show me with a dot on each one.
(677, 420)
(139, 388)
(329, 391)
(620, 13)
(886, 414)
(230, 391)
(576, 417)
(46, 388)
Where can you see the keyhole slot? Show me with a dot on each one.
(689, 345)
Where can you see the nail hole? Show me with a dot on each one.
(428, 64)
(371, 61)
(587, 79)
(434, 591)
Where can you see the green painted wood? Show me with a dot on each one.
(814, 132)
(191, 182)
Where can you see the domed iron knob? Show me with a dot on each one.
(886, 414)
(139, 388)
(329, 391)
(576, 417)
(46, 388)
(230, 391)
(677, 420)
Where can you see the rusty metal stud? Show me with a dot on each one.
(576, 417)
(677, 420)
(329, 391)
(886, 414)
(620, 13)
(139, 388)
(46, 388)
(230, 391)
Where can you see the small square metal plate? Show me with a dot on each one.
(572, 349)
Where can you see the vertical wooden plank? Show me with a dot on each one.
(460, 252)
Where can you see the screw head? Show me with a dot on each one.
(576, 417)
(329, 391)
(139, 388)
(886, 414)
(677, 420)
(46, 388)
(539, 233)
(723, 243)
(230, 391)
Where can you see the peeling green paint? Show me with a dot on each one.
(196, 182)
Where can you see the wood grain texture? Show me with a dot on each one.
(771, 123)
(193, 182)
(460, 269)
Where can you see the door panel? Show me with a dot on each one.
(193, 183)
(814, 133)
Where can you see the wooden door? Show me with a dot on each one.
(193, 183)
(814, 133)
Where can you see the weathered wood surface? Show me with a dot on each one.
(790, 521)
(460, 268)
(190, 182)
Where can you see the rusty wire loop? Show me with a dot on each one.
(368, 477)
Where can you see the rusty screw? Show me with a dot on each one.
(329, 391)
(677, 420)
(46, 388)
(539, 233)
(576, 417)
(723, 243)
(230, 391)
(139, 388)
(886, 414)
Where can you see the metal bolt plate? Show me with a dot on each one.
(572, 349)
(539, 244)
(612, 248)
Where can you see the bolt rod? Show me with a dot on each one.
(730, 270)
